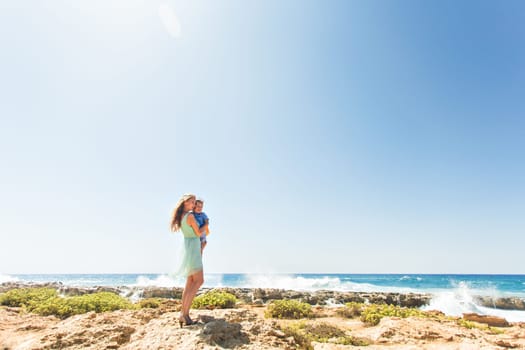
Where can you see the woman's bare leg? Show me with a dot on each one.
(185, 293)
(197, 279)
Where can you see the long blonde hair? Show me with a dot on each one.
(176, 216)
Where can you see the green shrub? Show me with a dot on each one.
(45, 301)
(373, 313)
(214, 300)
(484, 327)
(466, 324)
(149, 303)
(300, 337)
(349, 340)
(371, 318)
(288, 309)
(304, 334)
(100, 302)
(322, 332)
(26, 296)
(351, 310)
(97, 302)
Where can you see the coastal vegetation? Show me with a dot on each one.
(214, 299)
(306, 333)
(27, 297)
(149, 303)
(281, 319)
(288, 309)
(371, 314)
(46, 301)
(480, 326)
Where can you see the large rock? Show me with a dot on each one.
(268, 294)
(75, 291)
(502, 303)
(161, 292)
(224, 334)
(492, 321)
(4, 287)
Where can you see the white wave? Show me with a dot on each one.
(461, 300)
(454, 302)
(291, 282)
(370, 288)
(509, 315)
(489, 290)
(214, 281)
(301, 283)
(408, 278)
(170, 281)
(6, 278)
(160, 281)
(83, 282)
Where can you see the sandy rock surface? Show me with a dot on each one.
(244, 327)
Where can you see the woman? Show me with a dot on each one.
(183, 219)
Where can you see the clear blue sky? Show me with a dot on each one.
(325, 136)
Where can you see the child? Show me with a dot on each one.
(202, 221)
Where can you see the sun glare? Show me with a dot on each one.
(122, 19)
(115, 17)
(169, 20)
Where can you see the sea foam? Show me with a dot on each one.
(290, 282)
(168, 281)
(6, 278)
(461, 300)
(311, 283)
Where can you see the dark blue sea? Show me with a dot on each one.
(453, 294)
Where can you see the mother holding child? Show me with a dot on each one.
(183, 219)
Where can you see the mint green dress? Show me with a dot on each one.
(192, 258)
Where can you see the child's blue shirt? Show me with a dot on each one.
(201, 218)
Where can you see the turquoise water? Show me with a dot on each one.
(508, 285)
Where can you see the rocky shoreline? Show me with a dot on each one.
(246, 326)
(261, 296)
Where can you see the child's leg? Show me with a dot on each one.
(203, 244)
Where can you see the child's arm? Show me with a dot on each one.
(207, 225)
(204, 227)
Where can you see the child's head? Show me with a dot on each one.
(199, 203)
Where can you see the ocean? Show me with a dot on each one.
(452, 294)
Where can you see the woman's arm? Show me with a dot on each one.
(193, 224)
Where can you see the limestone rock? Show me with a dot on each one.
(492, 321)
(224, 334)
(242, 328)
(502, 303)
